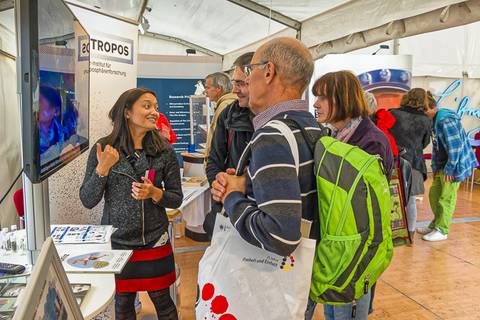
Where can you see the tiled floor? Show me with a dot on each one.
(425, 281)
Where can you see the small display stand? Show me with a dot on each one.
(48, 294)
(199, 121)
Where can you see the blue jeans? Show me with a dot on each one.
(341, 312)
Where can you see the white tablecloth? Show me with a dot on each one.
(196, 204)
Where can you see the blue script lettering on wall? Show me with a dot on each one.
(463, 105)
(463, 108)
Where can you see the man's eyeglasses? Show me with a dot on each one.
(238, 83)
(248, 68)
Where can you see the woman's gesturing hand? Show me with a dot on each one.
(106, 159)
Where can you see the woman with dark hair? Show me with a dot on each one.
(342, 106)
(411, 132)
(137, 173)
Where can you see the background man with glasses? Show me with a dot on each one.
(234, 130)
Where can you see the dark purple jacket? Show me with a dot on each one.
(370, 139)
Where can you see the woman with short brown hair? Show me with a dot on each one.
(411, 131)
(342, 106)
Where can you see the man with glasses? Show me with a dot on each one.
(233, 132)
(218, 89)
(267, 203)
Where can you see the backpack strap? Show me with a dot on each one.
(309, 139)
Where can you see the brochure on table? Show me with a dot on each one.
(74, 234)
(98, 261)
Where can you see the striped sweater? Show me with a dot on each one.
(269, 215)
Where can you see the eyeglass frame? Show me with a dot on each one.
(238, 83)
(248, 68)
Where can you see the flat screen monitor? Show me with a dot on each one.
(54, 75)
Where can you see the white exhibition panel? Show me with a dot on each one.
(110, 75)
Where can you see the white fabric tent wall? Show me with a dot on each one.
(450, 53)
(149, 45)
(446, 53)
(10, 163)
(358, 24)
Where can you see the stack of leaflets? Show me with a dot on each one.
(101, 261)
(194, 181)
(74, 234)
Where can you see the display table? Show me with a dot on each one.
(98, 303)
(196, 204)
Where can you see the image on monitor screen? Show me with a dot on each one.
(55, 95)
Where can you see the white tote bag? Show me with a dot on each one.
(240, 281)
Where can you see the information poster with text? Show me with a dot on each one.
(173, 101)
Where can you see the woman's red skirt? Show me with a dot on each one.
(148, 270)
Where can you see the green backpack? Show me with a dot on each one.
(355, 245)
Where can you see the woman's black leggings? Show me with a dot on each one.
(125, 305)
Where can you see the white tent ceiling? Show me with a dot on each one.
(231, 27)
(227, 28)
(218, 25)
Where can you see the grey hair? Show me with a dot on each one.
(220, 80)
(293, 67)
(371, 101)
(243, 60)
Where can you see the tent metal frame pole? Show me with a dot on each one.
(142, 10)
(183, 42)
(396, 46)
(66, 37)
(266, 12)
(7, 5)
(100, 11)
(8, 55)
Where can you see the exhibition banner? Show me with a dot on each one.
(460, 95)
(388, 77)
(113, 70)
